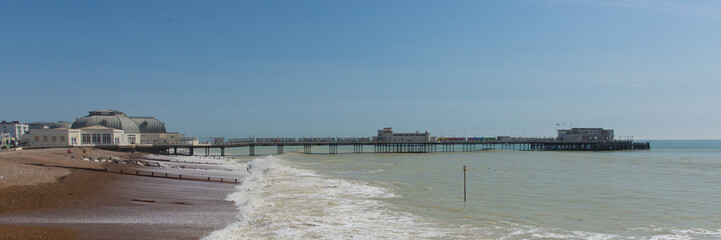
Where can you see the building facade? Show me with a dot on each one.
(103, 136)
(87, 136)
(585, 135)
(15, 129)
(59, 137)
(101, 128)
(160, 138)
(387, 135)
(189, 140)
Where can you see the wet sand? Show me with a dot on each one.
(97, 205)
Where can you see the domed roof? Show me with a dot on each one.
(60, 124)
(149, 124)
(107, 118)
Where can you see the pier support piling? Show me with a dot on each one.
(357, 148)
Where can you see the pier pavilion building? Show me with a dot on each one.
(387, 135)
(102, 128)
(585, 135)
(152, 131)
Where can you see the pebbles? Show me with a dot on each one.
(14, 165)
(15, 174)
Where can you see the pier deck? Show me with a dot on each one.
(397, 147)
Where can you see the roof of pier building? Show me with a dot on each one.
(119, 120)
(108, 118)
(107, 112)
(149, 124)
(60, 124)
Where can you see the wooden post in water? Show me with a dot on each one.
(464, 183)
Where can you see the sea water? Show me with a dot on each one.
(670, 192)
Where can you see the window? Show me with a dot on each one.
(45, 138)
(117, 141)
(86, 138)
(55, 139)
(74, 141)
(106, 138)
(62, 138)
(96, 138)
(37, 138)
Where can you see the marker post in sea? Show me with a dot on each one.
(464, 183)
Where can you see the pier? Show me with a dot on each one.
(519, 144)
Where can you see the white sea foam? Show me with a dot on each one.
(280, 202)
(666, 233)
(197, 162)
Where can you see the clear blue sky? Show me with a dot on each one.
(649, 69)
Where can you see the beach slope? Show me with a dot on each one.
(38, 201)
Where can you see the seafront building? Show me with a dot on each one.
(49, 125)
(105, 127)
(387, 135)
(585, 135)
(15, 129)
(11, 132)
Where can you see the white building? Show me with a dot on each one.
(130, 128)
(104, 127)
(189, 140)
(101, 135)
(87, 136)
(59, 137)
(387, 135)
(15, 129)
(160, 138)
(585, 135)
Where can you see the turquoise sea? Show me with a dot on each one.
(672, 191)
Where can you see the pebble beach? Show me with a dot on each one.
(50, 192)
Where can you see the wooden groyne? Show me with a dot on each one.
(145, 173)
